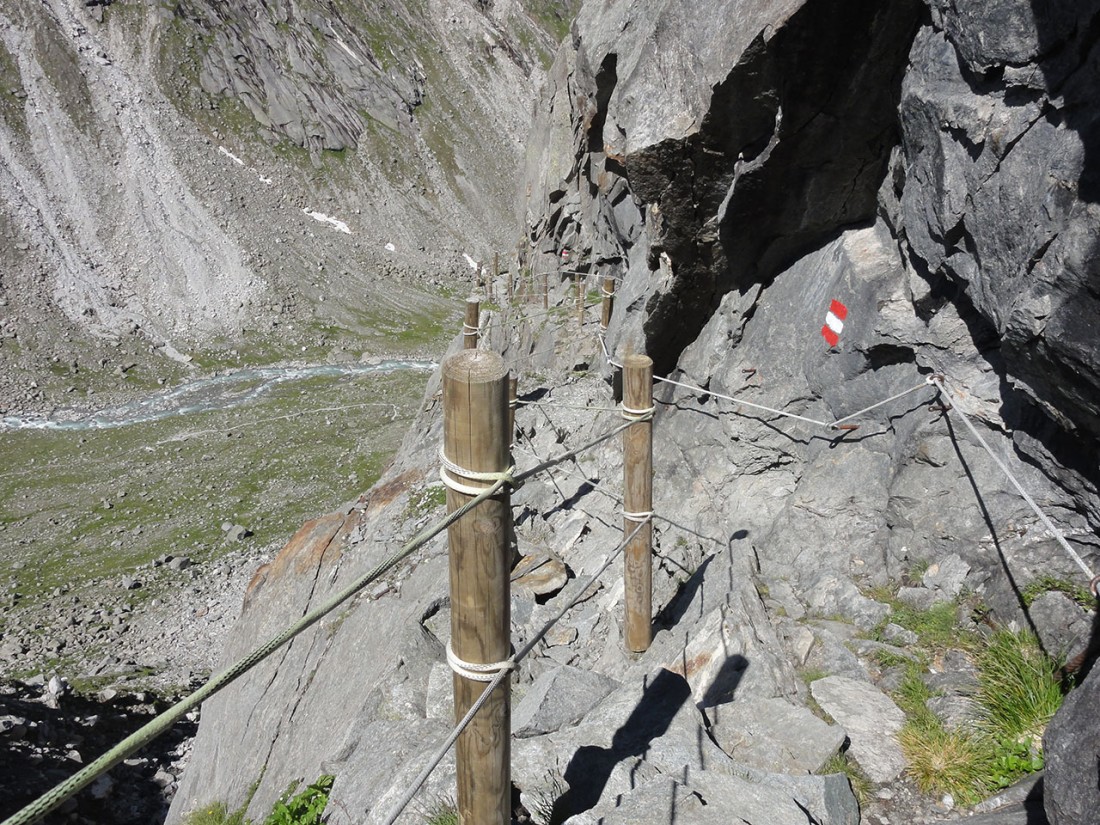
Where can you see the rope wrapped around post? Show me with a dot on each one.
(637, 409)
(476, 453)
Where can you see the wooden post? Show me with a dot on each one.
(494, 275)
(608, 301)
(513, 394)
(638, 502)
(579, 284)
(470, 325)
(475, 414)
(546, 290)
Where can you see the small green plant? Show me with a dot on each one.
(1013, 760)
(304, 808)
(216, 813)
(440, 810)
(857, 779)
(1045, 584)
(1017, 695)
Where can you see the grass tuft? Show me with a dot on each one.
(857, 779)
(1019, 689)
(943, 761)
(1017, 694)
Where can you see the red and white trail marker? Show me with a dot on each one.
(834, 323)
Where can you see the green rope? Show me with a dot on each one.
(84, 777)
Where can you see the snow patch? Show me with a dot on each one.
(323, 218)
(231, 156)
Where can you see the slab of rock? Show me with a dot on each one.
(775, 735)
(713, 799)
(921, 597)
(559, 698)
(947, 576)
(1071, 748)
(831, 594)
(872, 721)
(540, 575)
(1062, 625)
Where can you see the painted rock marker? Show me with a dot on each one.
(834, 322)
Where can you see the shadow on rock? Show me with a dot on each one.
(590, 768)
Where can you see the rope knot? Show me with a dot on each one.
(450, 473)
(638, 415)
(476, 671)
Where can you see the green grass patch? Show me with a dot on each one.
(1045, 584)
(936, 627)
(1020, 691)
(1017, 696)
(81, 506)
(857, 779)
(307, 807)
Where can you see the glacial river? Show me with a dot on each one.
(219, 392)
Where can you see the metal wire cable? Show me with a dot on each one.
(1054, 531)
(499, 678)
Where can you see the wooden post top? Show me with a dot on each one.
(475, 366)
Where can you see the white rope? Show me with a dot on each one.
(556, 405)
(631, 414)
(449, 470)
(925, 383)
(476, 671)
(638, 518)
(744, 402)
(1054, 531)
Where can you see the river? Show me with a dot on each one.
(218, 392)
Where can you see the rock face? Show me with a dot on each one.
(1071, 786)
(742, 169)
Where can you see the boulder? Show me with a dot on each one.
(558, 698)
(1071, 747)
(775, 735)
(872, 721)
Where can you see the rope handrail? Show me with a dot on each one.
(836, 424)
(597, 486)
(938, 381)
(499, 678)
(555, 405)
(161, 723)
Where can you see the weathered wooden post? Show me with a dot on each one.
(494, 274)
(638, 500)
(475, 441)
(470, 324)
(579, 284)
(608, 305)
(513, 395)
(508, 287)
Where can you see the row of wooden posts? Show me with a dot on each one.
(478, 426)
(488, 281)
